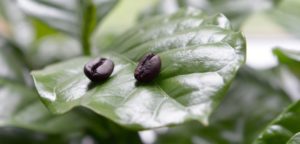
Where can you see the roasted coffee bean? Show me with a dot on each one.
(148, 68)
(98, 69)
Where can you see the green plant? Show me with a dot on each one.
(201, 92)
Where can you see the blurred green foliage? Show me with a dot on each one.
(29, 40)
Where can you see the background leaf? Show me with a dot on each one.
(20, 107)
(283, 127)
(52, 48)
(46, 45)
(295, 139)
(287, 15)
(13, 64)
(290, 59)
(18, 28)
(237, 11)
(78, 18)
(10, 135)
(24, 38)
(200, 57)
(252, 102)
(75, 17)
(112, 27)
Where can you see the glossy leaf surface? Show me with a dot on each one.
(252, 102)
(200, 56)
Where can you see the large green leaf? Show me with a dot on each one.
(288, 15)
(283, 127)
(21, 108)
(252, 102)
(200, 57)
(236, 10)
(290, 59)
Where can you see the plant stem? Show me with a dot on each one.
(86, 47)
(87, 18)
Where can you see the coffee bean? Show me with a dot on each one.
(98, 69)
(148, 68)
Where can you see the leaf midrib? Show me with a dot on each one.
(163, 92)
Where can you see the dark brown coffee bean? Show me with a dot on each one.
(148, 68)
(98, 69)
